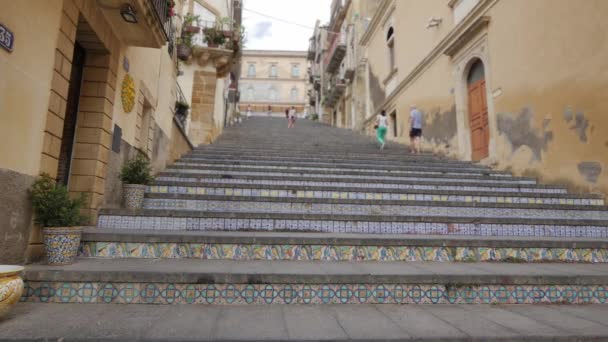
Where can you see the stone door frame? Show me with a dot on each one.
(476, 49)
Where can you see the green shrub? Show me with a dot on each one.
(136, 171)
(53, 206)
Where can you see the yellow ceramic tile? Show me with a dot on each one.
(309, 194)
(501, 200)
(274, 193)
(335, 195)
(468, 199)
(444, 198)
(378, 196)
(509, 200)
(200, 191)
(229, 192)
(562, 201)
(344, 195)
(411, 197)
(436, 198)
(403, 197)
(266, 193)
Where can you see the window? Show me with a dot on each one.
(295, 70)
(390, 41)
(462, 8)
(273, 71)
(294, 94)
(251, 70)
(272, 94)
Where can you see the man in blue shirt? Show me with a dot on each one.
(416, 129)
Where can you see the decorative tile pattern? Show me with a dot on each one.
(338, 252)
(500, 180)
(371, 209)
(490, 198)
(439, 186)
(310, 169)
(367, 227)
(239, 294)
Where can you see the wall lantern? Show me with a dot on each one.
(128, 13)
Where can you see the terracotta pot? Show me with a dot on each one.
(212, 45)
(133, 196)
(11, 287)
(61, 244)
(183, 52)
(192, 29)
(227, 33)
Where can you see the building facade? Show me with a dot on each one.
(275, 80)
(94, 84)
(502, 82)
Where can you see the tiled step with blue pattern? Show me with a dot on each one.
(183, 281)
(333, 170)
(105, 243)
(376, 195)
(298, 206)
(371, 179)
(181, 180)
(183, 220)
(353, 164)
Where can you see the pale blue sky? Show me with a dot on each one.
(264, 33)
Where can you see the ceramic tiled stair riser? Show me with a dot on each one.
(242, 294)
(369, 209)
(372, 196)
(282, 252)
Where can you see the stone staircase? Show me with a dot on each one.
(317, 215)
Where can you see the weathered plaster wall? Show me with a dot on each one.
(553, 104)
(15, 214)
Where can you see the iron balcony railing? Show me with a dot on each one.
(182, 99)
(161, 10)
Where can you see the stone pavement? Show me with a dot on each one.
(106, 322)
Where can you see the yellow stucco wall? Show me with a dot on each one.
(547, 76)
(25, 80)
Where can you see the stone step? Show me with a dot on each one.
(173, 182)
(372, 195)
(347, 151)
(106, 243)
(188, 220)
(344, 165)
(385, 208)
(189, 165)
(187, 281)
(353, 176)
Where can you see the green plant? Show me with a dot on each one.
(214, 36)
(314, 117)
(136, 171)
(182, 104)
(53, 206)
(187, 36)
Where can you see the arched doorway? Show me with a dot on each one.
(478, 111)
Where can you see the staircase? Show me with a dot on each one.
(317, 215)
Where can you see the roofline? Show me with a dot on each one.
(285, 53)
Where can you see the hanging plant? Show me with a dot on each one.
(128, 93)
(170, 8)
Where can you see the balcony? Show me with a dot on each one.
(338, 13)
(312, 49)
(336, 53)
(152, 28)
(220, 52)
(334, 92)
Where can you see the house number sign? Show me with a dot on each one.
(7, 38)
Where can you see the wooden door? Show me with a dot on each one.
(478, 118)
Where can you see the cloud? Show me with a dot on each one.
(262, 29)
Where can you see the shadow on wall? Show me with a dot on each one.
(376, 91)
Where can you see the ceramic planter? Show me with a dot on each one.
(133, 196)
(183, 52)
(61, 244)
(192, 29)
(11, 287)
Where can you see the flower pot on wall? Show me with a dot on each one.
(133, 196)
(11, 287)
(183, 52)
(192, 29)
(181, 110)
(61, 244)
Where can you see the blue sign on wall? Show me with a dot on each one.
(7, 38)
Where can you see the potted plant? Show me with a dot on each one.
(135, 175)
(191, 24)
(181, 108)
(170, 8)
(60, 219)
(11, 287)
(184, 48)
(214, 37)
